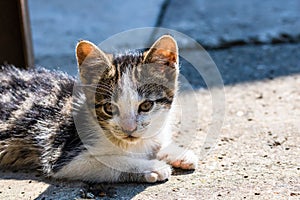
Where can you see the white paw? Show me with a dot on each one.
(160, 172)
(188, 160)
(184, 160)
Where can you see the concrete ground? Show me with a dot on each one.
(256, 154)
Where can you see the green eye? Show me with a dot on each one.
(110, 109)
(146, 106)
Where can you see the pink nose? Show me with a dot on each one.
(128, 127)
(129, 131)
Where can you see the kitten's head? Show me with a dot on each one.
(130, 94)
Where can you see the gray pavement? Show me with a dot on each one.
(255, 45)
(217, 24)
(58, 25)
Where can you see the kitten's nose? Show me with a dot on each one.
(128, 123)
(128, 127)
(129, 131)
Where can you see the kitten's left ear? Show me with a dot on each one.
(163, 51)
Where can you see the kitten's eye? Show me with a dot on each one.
(110, 109)
(146, 106)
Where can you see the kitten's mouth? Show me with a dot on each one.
(131, 138)
(127, 138)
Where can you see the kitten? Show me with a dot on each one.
(112, 126)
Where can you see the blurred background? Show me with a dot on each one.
(58, 25)
(248, 40)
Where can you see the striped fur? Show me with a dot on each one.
(36, 127)
(111, 126)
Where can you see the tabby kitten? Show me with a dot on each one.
(112, 126)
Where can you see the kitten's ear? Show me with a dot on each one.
(163, 51)
(92, 62)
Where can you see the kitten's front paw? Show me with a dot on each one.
(160, 172)
(187, 160)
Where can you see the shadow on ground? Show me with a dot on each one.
(76, 190)
(249, 63)
(59, 189)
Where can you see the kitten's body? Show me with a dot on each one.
(37, 128)
(74, 134)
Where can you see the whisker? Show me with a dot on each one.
(95, 87)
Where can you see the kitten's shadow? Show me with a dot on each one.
(94, 191)
(59, 189)
(76, 190)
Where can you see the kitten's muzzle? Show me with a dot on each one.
(128, 124)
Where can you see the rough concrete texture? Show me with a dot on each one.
(256, 154)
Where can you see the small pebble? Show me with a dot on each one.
(240, 113)
(259, 96)
(294, 194)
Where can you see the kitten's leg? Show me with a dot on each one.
(115, 169)
(141, 170)
(178, 157)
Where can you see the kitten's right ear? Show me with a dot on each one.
(92, 62)
(163, 51)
